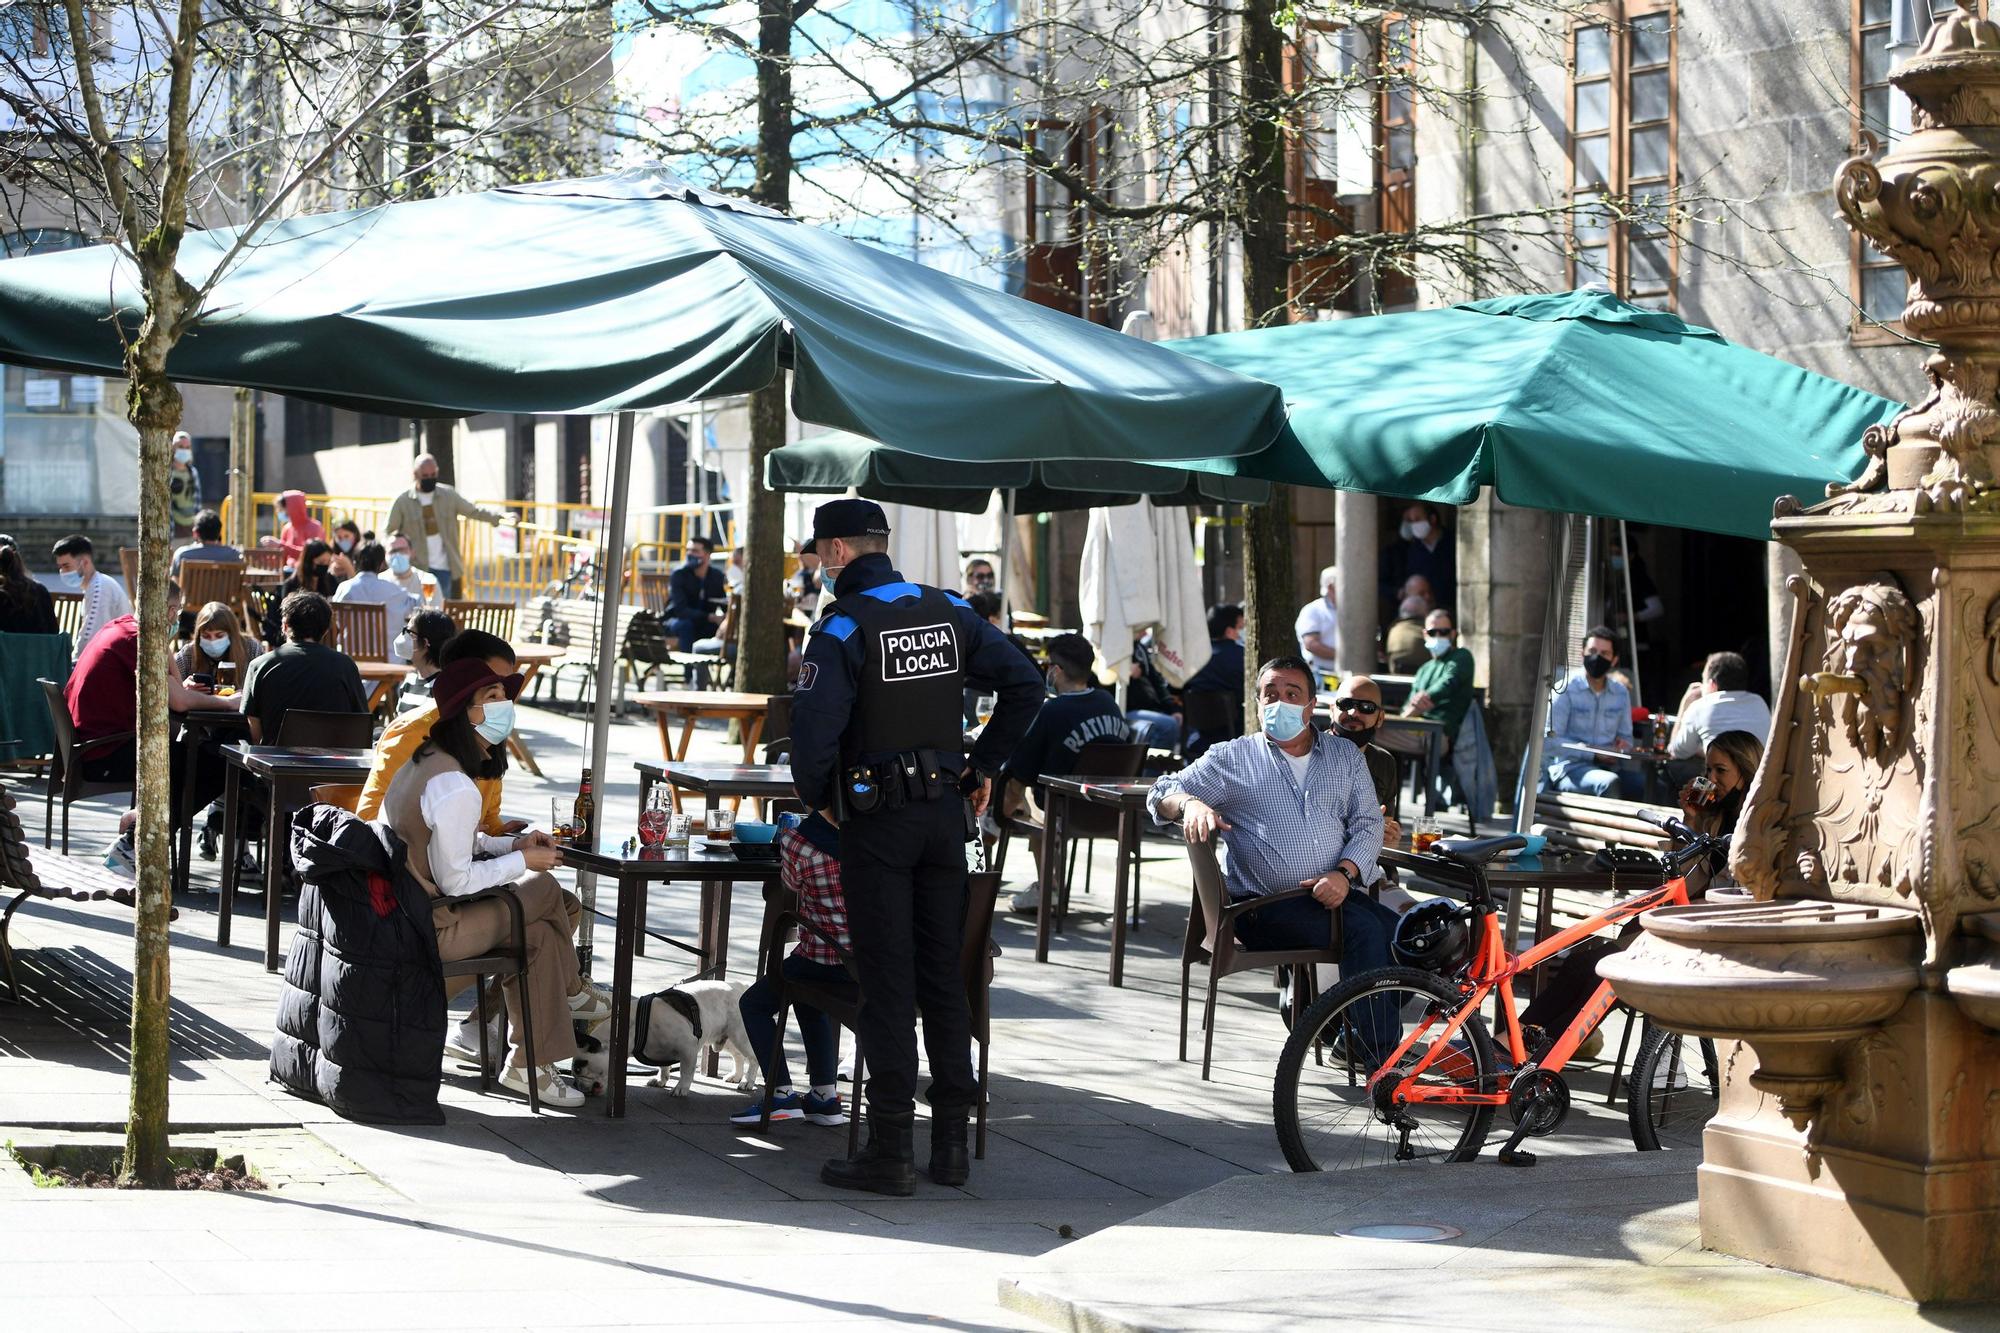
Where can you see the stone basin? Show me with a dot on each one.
(1975, 986)
(1797, 980)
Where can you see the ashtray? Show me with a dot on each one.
(756, 851)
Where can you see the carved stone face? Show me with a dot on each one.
(1872, 632)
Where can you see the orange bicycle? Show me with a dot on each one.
(1397, 1065)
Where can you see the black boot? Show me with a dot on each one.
(950, 1164)
(887, 1164)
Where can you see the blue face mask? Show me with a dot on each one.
(1439, 644)
(498, 723)
(215, 647)
(71, 579)
(399, 564)
(1283, 721)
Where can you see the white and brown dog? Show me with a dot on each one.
(676, 1026)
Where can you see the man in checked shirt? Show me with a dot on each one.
(1296, 810)
(809, 865)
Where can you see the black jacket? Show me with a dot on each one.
(361, 1017)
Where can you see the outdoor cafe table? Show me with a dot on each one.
(1552, 871)
(1129, 799)
(282, 770)
(197, 726)
(717, 872)
(716, 783)
(530, 658)
(380, 677)
(691, 706)
(1652, 764)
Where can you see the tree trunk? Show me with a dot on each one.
(1268, 594)
(760, 632)
(154, 406)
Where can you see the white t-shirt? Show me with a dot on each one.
(1713, 714)
(435, 557)
(104, 601)
(1300, 763)
(1318, 617)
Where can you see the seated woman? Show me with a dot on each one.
(421, 644)
(219, 648)
(434, 808)
(1713, 809)
(809, 864)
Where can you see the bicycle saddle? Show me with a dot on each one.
(1478, 851)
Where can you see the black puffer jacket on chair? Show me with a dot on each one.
(361, 1018)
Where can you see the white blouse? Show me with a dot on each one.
(451, 807)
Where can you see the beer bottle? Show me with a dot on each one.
(584, 813)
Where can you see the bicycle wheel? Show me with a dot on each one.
(1327, 1116)
(1675, 1083)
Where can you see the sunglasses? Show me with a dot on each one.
(1365, 707)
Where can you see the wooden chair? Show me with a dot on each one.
(66, 780)
(498, 618)
(265, 557)
(361, 630)
(1211, 937)
(81, 881)
(69, 614)
(128, 564)
(205, 581)
(842, 1003)
(652, 590)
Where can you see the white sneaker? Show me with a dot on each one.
(1028, 901)
(590, 1004)
(464, 1039)
(554, 1089)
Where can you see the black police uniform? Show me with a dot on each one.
(876, 716)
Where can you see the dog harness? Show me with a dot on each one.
(680, 1000)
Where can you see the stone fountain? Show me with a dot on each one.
(1858, 998)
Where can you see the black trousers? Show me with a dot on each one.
(122, 765)
(904, 875)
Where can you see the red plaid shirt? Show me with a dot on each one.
(814, 879)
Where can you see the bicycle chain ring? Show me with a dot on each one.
(1538, 1101)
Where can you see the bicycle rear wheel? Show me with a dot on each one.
(1329, 1119)
(1674, 1089)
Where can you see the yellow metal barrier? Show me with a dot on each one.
(510, 562)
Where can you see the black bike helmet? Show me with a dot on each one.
(1432, 936)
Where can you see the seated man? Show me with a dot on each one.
(694, 592)
(103, 700)
(1296, 808)
(420, 584)
(303, 673)
(1719, 703)
(207, 543)
(1403, 643)
(1221, 675)
(1078, 714)
(371, 585)
(810, 867)
(1592, 708)
(1442, 688)
(1150, 705)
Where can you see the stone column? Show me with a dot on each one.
(1503, 575)
(1356, 555)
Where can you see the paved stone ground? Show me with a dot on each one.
(671, 1217)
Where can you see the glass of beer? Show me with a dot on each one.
(721, 824)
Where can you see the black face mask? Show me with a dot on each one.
(1360, 736)
(427, 484)
(1596, 666)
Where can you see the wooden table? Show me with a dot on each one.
(380, 677)
(691, 706)
(197, 725)
(531, 658)
(1129, 799)
(716, 872)
(282, 771)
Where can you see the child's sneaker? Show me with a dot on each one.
(120, 857)
(784, 1106)
(823, 1110)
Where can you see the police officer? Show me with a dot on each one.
(877, 746)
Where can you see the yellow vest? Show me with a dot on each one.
(398, 742)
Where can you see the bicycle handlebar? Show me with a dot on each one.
(1693, 846)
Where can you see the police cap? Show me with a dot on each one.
(849, 518)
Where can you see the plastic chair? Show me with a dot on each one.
(66, 781)
(303, 729)
(511, 961)
(843, 1003)
(342, 795)
(1211, 935)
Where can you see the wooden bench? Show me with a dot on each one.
(571, 623)
(1591, 822)
(57, 877)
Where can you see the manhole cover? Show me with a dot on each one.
(1402, 1231)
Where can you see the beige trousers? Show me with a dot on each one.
(468, 932)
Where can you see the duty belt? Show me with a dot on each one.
(890, 784)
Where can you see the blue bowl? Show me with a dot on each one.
(1536, 842)
(754, 833)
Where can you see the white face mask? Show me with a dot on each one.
(1419, 529)
(405, 646)
(498, 721)
(184, 455)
